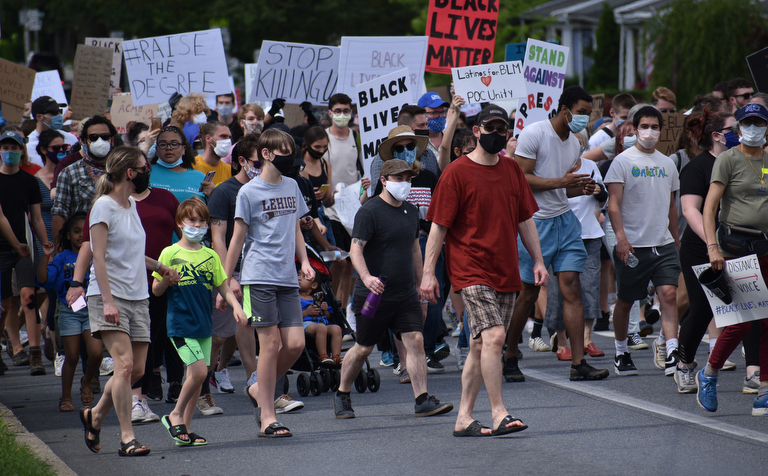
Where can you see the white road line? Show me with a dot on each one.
(624, 399)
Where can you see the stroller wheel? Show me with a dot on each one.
(327, 379)
(302, 384)
(335, 379)
(316, 383)
(361, 382)
(374, 380)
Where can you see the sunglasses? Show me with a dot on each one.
(59, 148)
(95, 137)
(144, 169)
(399, 148)
(501, 129)
(745, 96)
(168, 145)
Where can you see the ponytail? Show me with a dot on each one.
(119, 160)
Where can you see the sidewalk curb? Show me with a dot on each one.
(40, 449)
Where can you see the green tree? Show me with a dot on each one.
(699, 43)
(604, 73)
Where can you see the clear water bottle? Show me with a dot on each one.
(632, 260)
(372, 301)
(334, 255)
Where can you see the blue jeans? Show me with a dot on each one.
(434, 311)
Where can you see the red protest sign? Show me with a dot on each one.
(461, 33)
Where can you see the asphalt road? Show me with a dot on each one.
(623, 425)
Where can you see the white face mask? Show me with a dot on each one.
(342, 120)
(647, 138)
(225, 110)
(223, 147)
(398, 190)
(629, 141)
(752, 136)
(200, 118)
(100, 148)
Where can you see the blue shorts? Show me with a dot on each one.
(561, 246)
(73, 323)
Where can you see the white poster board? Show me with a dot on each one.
(750, 296)
(249, 75)
(48, 83)
(544, 71)
(490, 82)
(185, 63)
(296, 72)
(116, 44)
(378, 105)
(347, 204)
(364, 58)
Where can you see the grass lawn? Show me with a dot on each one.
(18, 460)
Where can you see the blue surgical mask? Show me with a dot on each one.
(620, 122)
(172, 165)
(11, 158)
(629, 141)
(152, 150)
(578, 122)
(731, 139)
(57, 122)
(194, 234)
(436, 124)
(406, 155)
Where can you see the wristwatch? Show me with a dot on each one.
(75, 284)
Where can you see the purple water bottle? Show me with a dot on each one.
(372, 301)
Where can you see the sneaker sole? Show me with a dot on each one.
(625, 373)
(748, 391)
(759, 411)
(435, 371)
(444, 408)
(515, 378)
(642, 346)
(211, 412)
(598, 376)
(226, 390)
(289, 408)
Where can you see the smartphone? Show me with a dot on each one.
(208, 178)
(157, 123)
(324, 187)
(78, 304)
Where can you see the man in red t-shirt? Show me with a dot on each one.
(481, 202)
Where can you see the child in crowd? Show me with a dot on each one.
(57, 274)
(190, 316)
(316, 318)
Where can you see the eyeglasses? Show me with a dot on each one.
(59, 148)
(168, 145)
(501, 129)
(399, 148)
(95, 137)
(668, 111)
(342, 111)
(144, 169)
(745, 96)
(436, 113)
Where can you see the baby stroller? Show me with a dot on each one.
(317, 377)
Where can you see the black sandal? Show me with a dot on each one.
(272, 431)
(88, 425)
(193, 437)
(503, 429)
(133, 448)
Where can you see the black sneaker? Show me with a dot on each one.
(342, 406)
(671, 363)
(645, 329)
(441, 351)
(584, 371)
(432, 406)
(155, 390)
(511, 371)
(174, 390)
(603, 323)
(652, 315)
(624, 366)
(433, 366)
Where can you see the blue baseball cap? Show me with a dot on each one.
(752, 110)
(432, 100)
(600, 122)
(14, 136)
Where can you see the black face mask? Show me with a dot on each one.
(141, 181)
(315, 154)
(283, 163)
(421, 132)
(492, 143)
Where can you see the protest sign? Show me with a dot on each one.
(16, 83)
(13, 114)
(296, 72)
(192, 62)
(116, 45)
(491, 82)
(598, 104)
(90, 88)
(544, 71)
(747, 287)
(249, 75)
(758, 66)
(364, 58)
(347, 198)
(123, 111)
(514, 51)
(48, 83)
(378, 104)
(671, 130)
(461, 33)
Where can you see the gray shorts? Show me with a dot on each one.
(267, 305)
(659, 264)
(134, 318)
(590, 289)
(16, 272)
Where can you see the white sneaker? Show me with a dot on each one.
(137, 411)
(529, 327)
(252, 379)
(462, 353)
(24, 338)
(285, 404)
(659, 354)
(149, 415)
(456, 332)
(537, 344)
(58, 363)
(206, 405)
(223, 383)
(107, 366)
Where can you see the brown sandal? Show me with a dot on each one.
(86, 393)
(65, 405)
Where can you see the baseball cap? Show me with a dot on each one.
(752, 110)
(14, 136)
(432, 100)
(45, 105)
(492, 113)
(600, 122)
(396, 166)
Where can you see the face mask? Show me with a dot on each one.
(436, 124)
(223, 147)
(629, 141)
(283, 163)
(152, 150)
(492, 142)
(647, 138)
(194, 234)
(421, 132)
(225, 110)
(11, 158)
(407, 155)
(731, 139)
(753, 136)
(141, 181)
(200, 118)
(249, 127)
(100, 148)
(620, 122)
(399, 190)
(55, 157)
(578, 122)
(172, 165)
(342, 119)
(315, 154)
(252, 171)
(57, 122)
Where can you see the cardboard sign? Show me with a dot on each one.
(514, 51)
(13, 114)
(296, 72)
(598, 102)
(489, 83)
(671, 130)
(123, 111)
(758, 66)
(378, 105)
(544, 71)
(16, 83)
(192, 62)
(364, 58)
(460, 33)
(48, 83)
(90, 88)
(750, 296)
(116, 45)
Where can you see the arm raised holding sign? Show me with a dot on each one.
(452, 121)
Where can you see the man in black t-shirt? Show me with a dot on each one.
(386, 254)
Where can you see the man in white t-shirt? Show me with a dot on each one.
(641, 183)
(47, 114)
(620, 106)
(548, 153)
